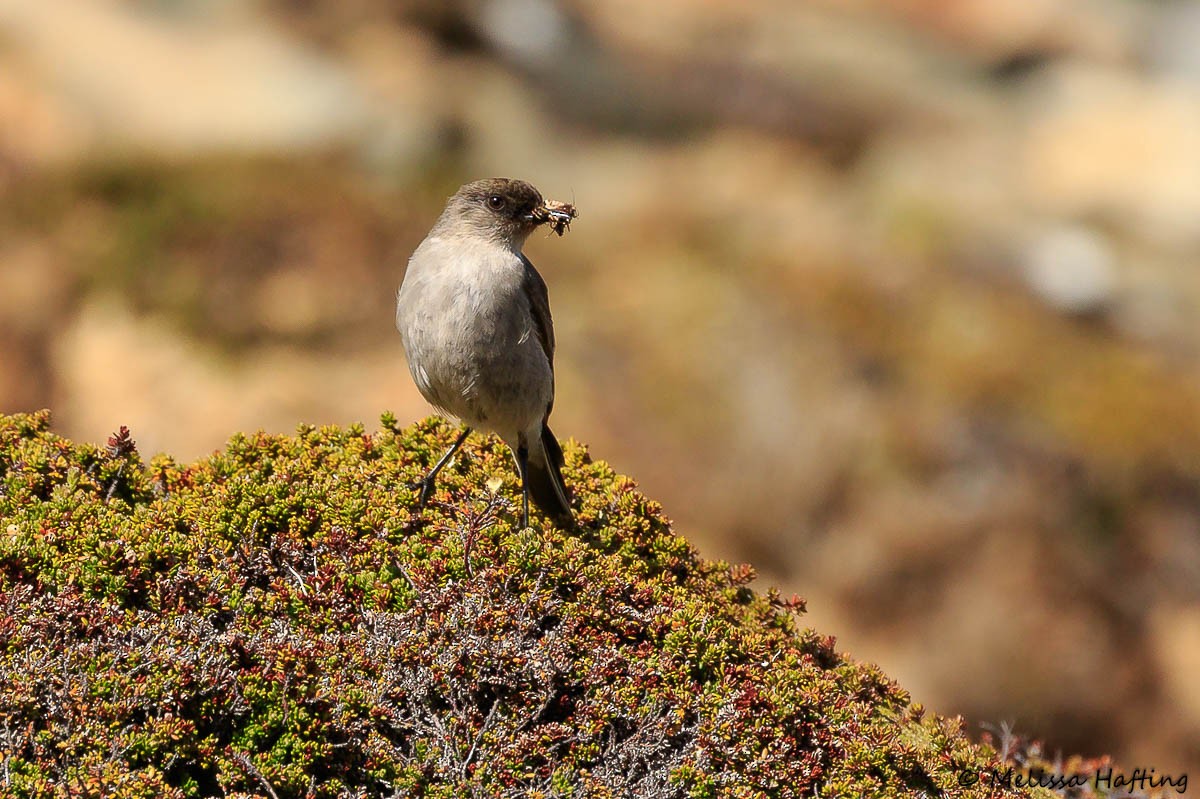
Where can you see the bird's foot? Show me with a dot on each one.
(425, 486)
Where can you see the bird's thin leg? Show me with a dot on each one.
(426, 483)
(523, 468)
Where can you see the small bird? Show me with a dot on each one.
(474, 316)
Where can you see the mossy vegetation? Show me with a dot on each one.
(279, 620)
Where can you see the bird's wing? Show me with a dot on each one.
(539, 308)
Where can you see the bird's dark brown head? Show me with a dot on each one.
(503, 209)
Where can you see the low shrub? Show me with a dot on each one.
(279, 620)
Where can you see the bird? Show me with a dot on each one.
(474, 318)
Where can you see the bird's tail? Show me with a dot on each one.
(546, 486)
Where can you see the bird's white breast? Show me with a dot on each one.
(468, 334)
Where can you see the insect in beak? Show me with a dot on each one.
(558, 214)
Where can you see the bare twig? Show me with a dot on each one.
(244, 760)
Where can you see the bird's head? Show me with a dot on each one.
(505, 210)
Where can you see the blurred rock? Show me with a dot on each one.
(1071, 268)
(36, 127)
(1175, 635)
(999, 30)
(114, 368)
(1103, 143)
(1170, 45)
(401, 75)
(34, 289)
(534, 32)
(154, 82)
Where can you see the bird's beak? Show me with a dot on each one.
(559, 215)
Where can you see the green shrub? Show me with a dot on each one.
(278, 619)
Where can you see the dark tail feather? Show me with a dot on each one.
(546, 486)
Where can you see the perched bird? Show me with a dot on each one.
(474, 316)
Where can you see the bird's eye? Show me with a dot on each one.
(495, 202)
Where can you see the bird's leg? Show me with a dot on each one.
(426, 483)
(523, 468)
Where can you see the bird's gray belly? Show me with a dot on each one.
(491, 373)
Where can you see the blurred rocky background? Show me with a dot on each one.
(895, 299)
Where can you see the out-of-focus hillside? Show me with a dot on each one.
(897, 301)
